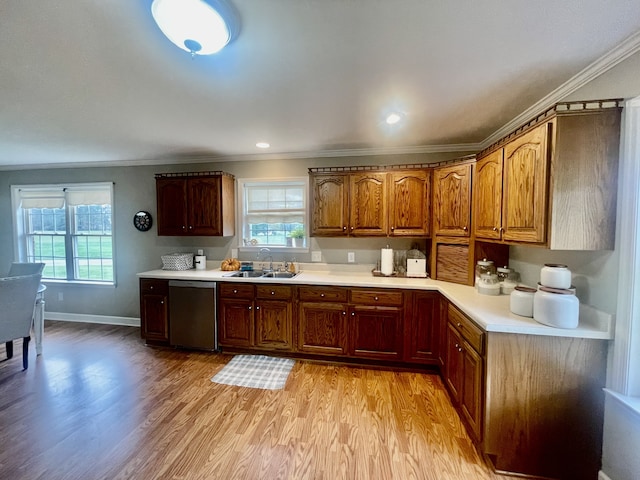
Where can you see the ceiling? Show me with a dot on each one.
(95, 82)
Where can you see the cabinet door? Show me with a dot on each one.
(409, 199)
(322, 328)
(154, 310)
(421, 330)
(273, 324)
(487, 197)
(235, 322)
(452, 200)
(368, 214)
(524, 197)
(375, 332)
(329, 205)
(472, 394)
(204, 206)
(454, 363)
(171, 206)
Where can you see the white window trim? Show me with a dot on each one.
(624, 376)
(240, 182)
(19, 254)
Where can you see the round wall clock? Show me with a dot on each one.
(142, 221)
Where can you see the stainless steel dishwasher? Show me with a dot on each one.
(192, 314)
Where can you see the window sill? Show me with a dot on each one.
(631, 403)
(87, 283)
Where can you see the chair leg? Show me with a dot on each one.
(9, 345)
(25, 352)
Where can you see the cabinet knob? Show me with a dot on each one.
(352, 229)
(459, 325)
(322, 295)
(161, 302)
(457, 345)
(235, 291)
(344, 313)
(184, 227)
(250, 307)
(257, 308)
(151, 287)
(459, 349)
(375, 298)
(501, 229)
(353, 314)
(190, 227)
(465, 228)
(344, 228)
(495, 229)
(393, 228)
(272, 292)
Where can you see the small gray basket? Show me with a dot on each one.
(177, 261)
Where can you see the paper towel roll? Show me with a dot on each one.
(201, 262)
(386, 261)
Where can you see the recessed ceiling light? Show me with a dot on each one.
(393, 118)
(262, 145)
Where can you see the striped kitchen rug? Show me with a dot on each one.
(255, 371)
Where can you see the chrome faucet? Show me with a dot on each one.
(266, 251)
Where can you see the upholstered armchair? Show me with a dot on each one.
(17, 300)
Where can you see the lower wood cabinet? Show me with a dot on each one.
(322, 320)
(422, 327)
(464, 368)
(255, 316)
(154, 311)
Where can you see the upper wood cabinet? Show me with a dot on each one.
(329, 200)
(554, 184)
(370, 203)
(452, 200)
(368, 212)
(409, 210)
(196, 204)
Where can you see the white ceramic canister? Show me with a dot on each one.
(521, 301)
(555, 275)
(556, 307)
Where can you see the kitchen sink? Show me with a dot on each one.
(245, 274)
(260, 274)
(279, 275)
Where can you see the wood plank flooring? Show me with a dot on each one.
(98, 404)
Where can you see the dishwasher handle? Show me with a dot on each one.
(191, 284)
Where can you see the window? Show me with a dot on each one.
(273, 213)
(67, 227)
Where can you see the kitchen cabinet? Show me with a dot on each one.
(236, 315)
(452, 200)
(422, 327)
(255, 316)
(464, 368)
(409, 203)
(322, 320)
(329, 205)
(195, 204)
(376, 322)
(154, 311)
(553, 182)
(274, 317)
(370, 203)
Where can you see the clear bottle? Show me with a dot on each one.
(484, 266)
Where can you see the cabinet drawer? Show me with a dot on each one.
(236, 290)
(322, 294)
(376, 297)
(469, 330)
(277, 292)
(154, 286)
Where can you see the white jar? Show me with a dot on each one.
(489, 284)
(556, 307)
(521, 301)
(555, 275)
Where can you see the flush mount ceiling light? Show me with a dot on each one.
(196, 26)
(393, 118)
(262, 145)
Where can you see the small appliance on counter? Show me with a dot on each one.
(416, 264)
(201, 261)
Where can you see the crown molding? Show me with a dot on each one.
(621, 52)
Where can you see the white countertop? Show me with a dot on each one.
(490, 312)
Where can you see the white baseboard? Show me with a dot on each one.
(104, 319)
(603, 476)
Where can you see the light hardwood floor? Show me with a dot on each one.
(98, 404)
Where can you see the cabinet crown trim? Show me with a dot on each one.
(216, 173)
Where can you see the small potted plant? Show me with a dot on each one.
(297, 237)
